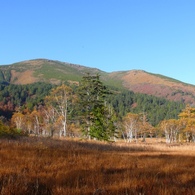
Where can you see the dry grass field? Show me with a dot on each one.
(47, 166)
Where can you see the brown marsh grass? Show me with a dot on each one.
(47, 166)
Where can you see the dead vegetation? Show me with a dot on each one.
(23, 77)
(46, 166)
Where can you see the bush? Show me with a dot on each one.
(9, 132)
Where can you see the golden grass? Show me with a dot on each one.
(46, 166)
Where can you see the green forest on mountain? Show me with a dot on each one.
(28, 96)
(92, 109)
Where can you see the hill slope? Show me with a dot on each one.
(158, 85)
(44, 70)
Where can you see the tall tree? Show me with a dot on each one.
(145, 126)
(171, 130)
(18, 120)
(49, 118)
(187, 118)
(36, 119)
(93, 108)
(131, 126)
(59, 102)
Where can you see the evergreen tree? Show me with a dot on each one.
(93, 110)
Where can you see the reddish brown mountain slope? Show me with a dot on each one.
(158, 85)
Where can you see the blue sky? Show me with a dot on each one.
(157, 36)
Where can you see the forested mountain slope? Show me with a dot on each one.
(56, 72)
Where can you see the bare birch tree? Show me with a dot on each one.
(131, 127)
(59, 100)
(171, 129)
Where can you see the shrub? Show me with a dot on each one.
(9, 132)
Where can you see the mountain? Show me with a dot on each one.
(139, 81)
(43, 70)
(158, 85)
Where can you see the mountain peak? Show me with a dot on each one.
(139, 81)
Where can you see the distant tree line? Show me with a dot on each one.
(157, 108)
(25, 96)
(89, 110)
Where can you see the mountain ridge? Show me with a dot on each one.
(139, 81)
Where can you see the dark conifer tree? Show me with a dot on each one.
(93, 110)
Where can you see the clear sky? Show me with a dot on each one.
(157, 36)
